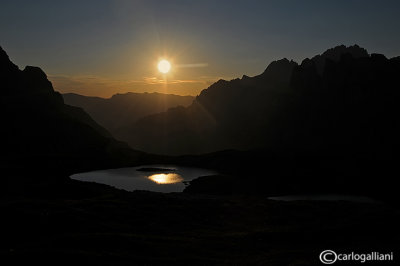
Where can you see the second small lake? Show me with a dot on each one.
(158, 178)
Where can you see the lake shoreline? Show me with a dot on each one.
(157, 178)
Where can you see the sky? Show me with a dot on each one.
(104, 47)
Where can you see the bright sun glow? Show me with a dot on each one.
(164, 66)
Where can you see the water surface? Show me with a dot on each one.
(170, 178)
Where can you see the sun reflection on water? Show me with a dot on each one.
(170, 178)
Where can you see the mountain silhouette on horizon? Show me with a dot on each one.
(41, 132)
(288, 106)
(122, 110)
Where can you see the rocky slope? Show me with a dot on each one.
(40, 132)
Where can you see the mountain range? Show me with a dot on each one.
(342, 99)
(122, 110)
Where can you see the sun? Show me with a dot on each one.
(164, 66)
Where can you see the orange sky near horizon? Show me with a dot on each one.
(101, 47)
(105, 88)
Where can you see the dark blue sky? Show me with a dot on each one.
(102, 47)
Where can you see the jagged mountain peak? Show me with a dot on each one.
(37, 80)
(355, 50)
(336, 53)
(6, 66)
(278, 65)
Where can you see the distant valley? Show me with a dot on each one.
(121, 111)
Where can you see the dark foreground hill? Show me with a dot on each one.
(40, 133)
(97, 225)
(122, 110)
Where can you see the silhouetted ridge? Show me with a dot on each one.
(6, 66)
(122, 110)
(37, 80)
(335, 54)
(41, 132)
(279, 71)
(9, 74)
(305, 77)
(287, 106)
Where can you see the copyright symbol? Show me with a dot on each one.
(328, 257)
